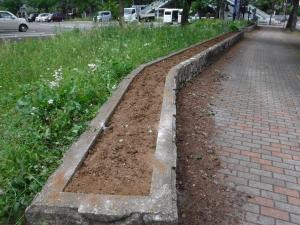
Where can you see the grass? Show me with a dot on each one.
(50, 89)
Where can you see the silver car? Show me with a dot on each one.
(103, 16)
(9, 21)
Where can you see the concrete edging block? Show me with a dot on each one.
(53, 206)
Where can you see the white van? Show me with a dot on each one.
(172, 16)
(130, 15)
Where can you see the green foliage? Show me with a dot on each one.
(50, 89)
(267, 5)
(111, 5)
(42, 4)
(200, 5)
(12, 5)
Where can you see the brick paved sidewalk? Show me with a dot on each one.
(258, 124)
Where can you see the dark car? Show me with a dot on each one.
(32, 16)
(56, 17)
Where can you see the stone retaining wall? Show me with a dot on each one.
(53, 206)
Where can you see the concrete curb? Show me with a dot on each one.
(56, 207)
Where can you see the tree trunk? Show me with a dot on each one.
(273, 5)
(121, 13)
(222, 9)
(185, 12)
(292, 21)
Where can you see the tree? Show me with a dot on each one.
(121, 13)
(12, 5)
(186, 11)
(111, 5)
(200, 7)
(43, 4)
(292, 21)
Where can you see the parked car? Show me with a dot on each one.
(32, 16)
(130, 15)
(55, 17)
(103, 16)
(9, 21)
(42, 17)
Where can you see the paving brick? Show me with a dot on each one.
(285, 177)
(248, 223)
(237, 167)
(260, 185)
(250, 164)
(286, 191)
(287, 207)
(240, 157)
(262, 201)
(292, 162)
(274, 196)
(248, 190)
(272, 158)
(281, 222)
(261, 161)
(229, 159)
(296, 157)
(250, 154)
(269, 180)
(249, 176)
(259, 219)
(228, 172)
(261, 172)
(275, 213)
(295, 218)
(294, 201)
(251, 145)
(284, 165)
(236, 180)
(293, 186)
(292, 173)
(272, 169)
(282, 155)
(251, 207)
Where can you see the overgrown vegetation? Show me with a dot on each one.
(50, 89)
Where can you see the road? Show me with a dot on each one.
(42, 30)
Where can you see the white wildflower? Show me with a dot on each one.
(93, 67)
(114, 87)
(58, 76)
(146, 44)
(50, 101)
(33, 108)
(53, 84)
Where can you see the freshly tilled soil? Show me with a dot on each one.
(120, 162)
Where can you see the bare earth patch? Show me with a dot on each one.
(202, 198)
(121, 160)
